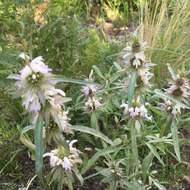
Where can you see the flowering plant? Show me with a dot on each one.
(129, 125)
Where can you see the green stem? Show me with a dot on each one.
(134, 142)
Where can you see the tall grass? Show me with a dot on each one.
(164, 25)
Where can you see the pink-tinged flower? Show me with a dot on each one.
(179, 88)
(89, 90)
(136, 111)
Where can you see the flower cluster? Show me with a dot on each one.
(133, 58)
(179, 86)
(68, 158)
(170, 108)
(36, 86)
(92, 102)
(136, 111)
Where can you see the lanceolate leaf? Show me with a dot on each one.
(157, 184)
(59, 78)
(146, 164)
(98, 72)
(25, 139)
(93, 132)
(96, 156)
(154, 151)
(175, 138)
(131, 88)
(39, 147)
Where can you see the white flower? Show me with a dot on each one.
(62, 120)
(89, 89)
(68, 158)
(33, 82)
(135, 111)
(72, 149)
(92, 104)
(144, 77)
(54, 159)
(25, 72)
(126, 108)
(171, 108)
(133, 55)
(24, 56)
(37, 65)
(179, 88)
(67, 165)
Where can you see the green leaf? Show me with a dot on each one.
(131, 89)
(25, 139)
(154, 151)
(146, 164)
(59, 78)
(135, 186)
(96, 156)
(91, 131)
(134, 141)
(175, 138)
(98, 72)
(172, 72)
(158, 185)
(39, 146)
(79, 176)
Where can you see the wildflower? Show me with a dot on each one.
(179, 85)
(67, 158)
(138, 60)
(143, 78)
(136, 110)
(179, 88)
(56, 99)
(133, 56)
(170, 108)
(89, 90)
(62, 120)
(93, 104)
(33, 82)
